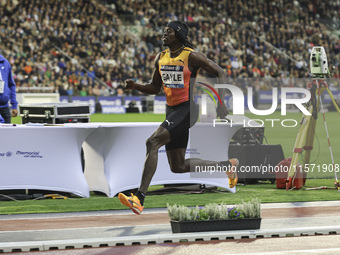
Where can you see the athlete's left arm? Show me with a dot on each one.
(199, 60)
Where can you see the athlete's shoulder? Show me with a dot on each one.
(197, 59)
(162, 53)
(196, 54)
(188, 49)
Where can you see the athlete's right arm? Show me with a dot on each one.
(151, 88)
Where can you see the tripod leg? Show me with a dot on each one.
(308, 146)
(311, 131)
(336, 182)
(298, 146)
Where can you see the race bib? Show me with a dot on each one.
(172, 76)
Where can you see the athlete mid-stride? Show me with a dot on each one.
(176, 69)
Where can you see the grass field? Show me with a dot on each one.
(267, 192)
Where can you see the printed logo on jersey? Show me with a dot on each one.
(172, 76)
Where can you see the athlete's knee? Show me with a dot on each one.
(157, 139)
(178, 168)
(153, 143)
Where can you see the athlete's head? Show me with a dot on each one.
(181, 32)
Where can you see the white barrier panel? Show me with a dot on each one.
(36, 156)
(115, 155)
(43, 157)
(37, 98)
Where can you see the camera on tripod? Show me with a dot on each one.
(318, 61)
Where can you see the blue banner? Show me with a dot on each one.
(89, 100)
(327, 99)
(159, 104)
(134, 99)
(111, 104)
(266, 96)
(64, 99)
(107, 104)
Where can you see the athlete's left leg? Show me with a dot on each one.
(178, 163)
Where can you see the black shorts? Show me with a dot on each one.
(179, 119)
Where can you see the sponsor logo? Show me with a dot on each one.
(7, 154)
(174, 86)
(169, 122)
(190, 151)
(29, 154)
(171, 68)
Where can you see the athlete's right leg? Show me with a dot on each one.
(159, 138)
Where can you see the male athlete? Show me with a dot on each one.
(176, 69)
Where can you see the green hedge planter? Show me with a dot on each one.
(214, 225)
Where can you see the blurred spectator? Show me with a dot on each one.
(83, 92)
(80, 40)
(104, 92)
(96, 90)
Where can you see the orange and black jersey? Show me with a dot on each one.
(177, 79)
